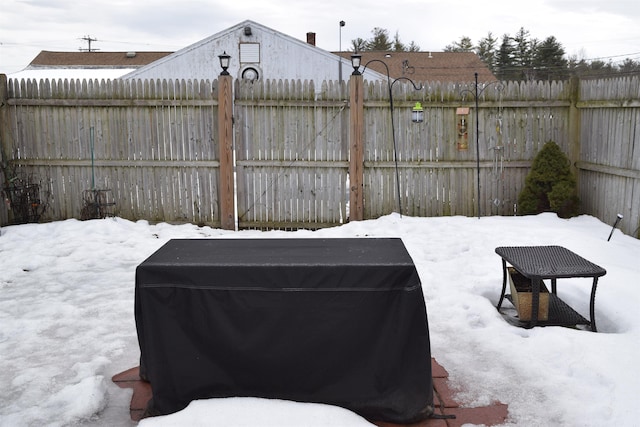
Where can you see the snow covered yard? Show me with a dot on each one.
(66, 310)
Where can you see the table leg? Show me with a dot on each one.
(504, 283)
(535, 300)
(592, 305)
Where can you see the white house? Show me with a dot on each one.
(257, 52)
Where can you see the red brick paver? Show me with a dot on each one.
(141, 391)
(444, 402)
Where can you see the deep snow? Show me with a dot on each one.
(67, 324)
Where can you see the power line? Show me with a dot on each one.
(164, 45)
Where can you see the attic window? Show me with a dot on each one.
(250, 52)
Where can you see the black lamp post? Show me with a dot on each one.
(417, 113)
(224, 63)
(476, 94)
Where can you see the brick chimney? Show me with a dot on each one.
(311, 38)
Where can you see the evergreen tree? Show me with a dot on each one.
(464, 45)
(548, 60)
(398, 46)
(505, 68)
(629, 66)
(413, 47)
(523, 54)
(600, 68)
(550, 186)
(380, 40)
(522, 49)
(578, 67)
(486, 50)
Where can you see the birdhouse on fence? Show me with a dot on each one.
(462, 123)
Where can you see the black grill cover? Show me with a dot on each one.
(336, 321)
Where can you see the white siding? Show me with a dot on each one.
(280, 57)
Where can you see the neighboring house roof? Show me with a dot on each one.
(427, 66)
(85, 65)
(49, 59)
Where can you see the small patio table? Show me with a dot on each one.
(538, 263)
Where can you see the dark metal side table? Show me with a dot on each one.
(538, 263)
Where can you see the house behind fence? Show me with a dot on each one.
(153, 146)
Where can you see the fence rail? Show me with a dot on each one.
(155, 145)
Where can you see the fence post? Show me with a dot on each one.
(356, 148)
(4, 121)
(574, 126)
(226, 186)
(5, 142)
(6, 136)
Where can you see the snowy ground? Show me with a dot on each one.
(67, 324)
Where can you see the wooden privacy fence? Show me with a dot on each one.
(609, 157)
(155, 145)
(292, 154)
(296, 167)
(315, 156)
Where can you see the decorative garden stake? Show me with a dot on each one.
(618, 218)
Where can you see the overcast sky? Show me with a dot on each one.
(587, 29)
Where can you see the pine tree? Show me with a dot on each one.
(550, 186)
(413, 47)
(505, 65)
(382, 43)
(398, 46)
(464, 45)
(523, 54)
(380, 40)
(548, 60)
(486, 50)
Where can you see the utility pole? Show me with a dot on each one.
(88, 39)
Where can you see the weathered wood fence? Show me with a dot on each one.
(156, 145)
(609, 155)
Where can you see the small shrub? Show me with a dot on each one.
(550, 186)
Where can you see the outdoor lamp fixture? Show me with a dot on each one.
(224, 63)
(356, 58)
(417, 114)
